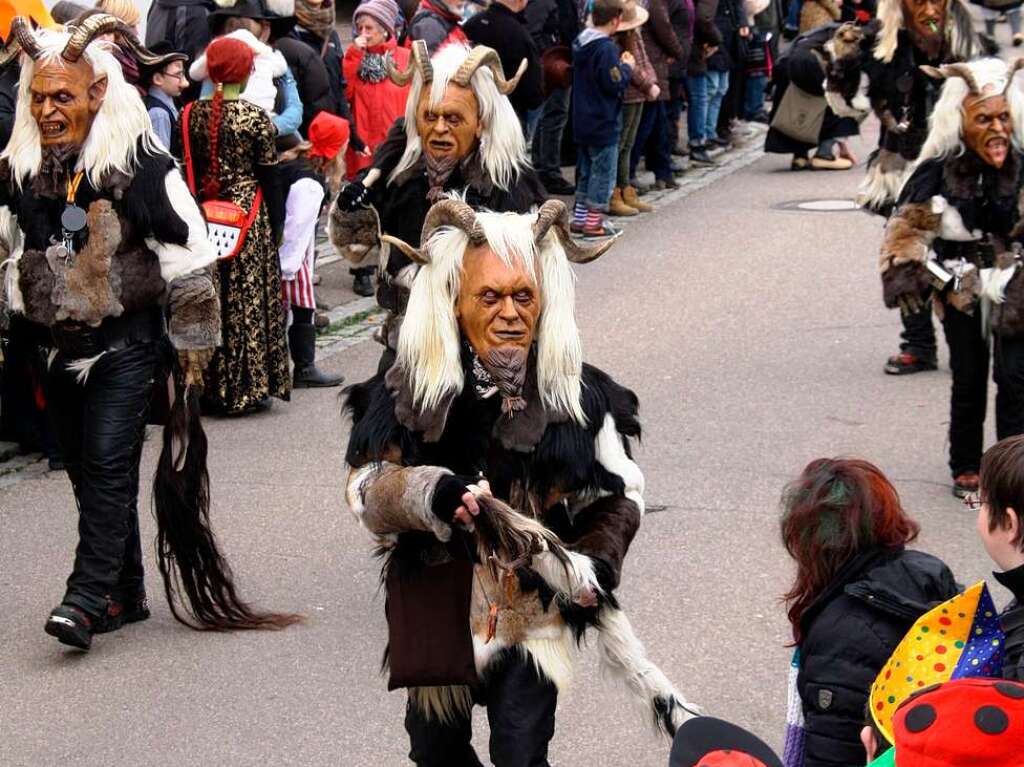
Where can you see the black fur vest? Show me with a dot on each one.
(112, 271)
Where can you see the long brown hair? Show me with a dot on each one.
(837, 509)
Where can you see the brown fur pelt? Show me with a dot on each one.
(195, 311)
(966, 299)
(37, 281)
(910, 278)
(353, 234)
(85, 292)
(908, 235)
(1007, 319)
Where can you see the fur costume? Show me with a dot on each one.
(102, 289)
(563, 463)
(956, 205)
(882, 72)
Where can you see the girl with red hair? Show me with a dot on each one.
(856, 592)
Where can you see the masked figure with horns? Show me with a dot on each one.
(459, 134)
(489, 399)
(100, 236)
(962, 201)
(877, 68)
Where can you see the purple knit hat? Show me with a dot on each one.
(384, 12)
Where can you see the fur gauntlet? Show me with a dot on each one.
(1007, 317)
(389, 499)
(908, 238)
(353, 233)
(195, 310)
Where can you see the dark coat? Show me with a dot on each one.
(310, 78)
(182, 23)
(542, 23)
(434, 25)
(661, 42)
(681, 14)
(705, 33)
(332, 53)
(599, 81)
(1012, 620)
(505, 32)
(849, 634)
(728, 19)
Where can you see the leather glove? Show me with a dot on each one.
(193, 362)
(448, 496)
(353, 196)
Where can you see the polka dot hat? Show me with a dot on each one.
(958, 639)
(966, 723)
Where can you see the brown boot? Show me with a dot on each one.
(619, 208)
(632, 199)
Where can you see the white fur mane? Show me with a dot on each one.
(502, 146)
(429, 344)
(114, 138)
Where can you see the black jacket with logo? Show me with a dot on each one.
(849, 633)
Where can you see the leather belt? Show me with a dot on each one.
(76, 340)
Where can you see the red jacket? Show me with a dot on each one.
(375, 106)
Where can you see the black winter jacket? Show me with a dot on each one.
(1012, 620)
(310, 78)
(505, 32)
(332, 53)
(848, 635)
(705, 33)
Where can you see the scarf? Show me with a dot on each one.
(53, 168)
(373, 67)
(438, 171)
(504, 373)
(793, 754)
(318, 19)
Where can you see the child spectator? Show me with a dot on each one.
(164, 80)
(1000, 496)
(600, 77)
(856, 592)
(643, 85)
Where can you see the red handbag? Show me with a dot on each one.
(227, 222)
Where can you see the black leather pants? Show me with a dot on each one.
(100, 426)
(520, 711)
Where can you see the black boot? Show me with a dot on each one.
(362, 282)
(302, 343)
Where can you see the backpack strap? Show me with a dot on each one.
(186, 143)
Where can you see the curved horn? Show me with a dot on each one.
(10, 53)
(454, 213)
(101, 24)
(553, 213)
(419, 60)
(414, 254)
(482, 56)
(22, 34)
(961, 70)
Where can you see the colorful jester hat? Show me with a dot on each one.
(958, 639)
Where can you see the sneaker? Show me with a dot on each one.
(71, 625)
(680, 151)
(120, 614)
(906, 363)
(699, 156)
(557, 185)
(759, 117)
(965, 484)
(666, 183)
(575, 228)
(603, 230)
(724, 143)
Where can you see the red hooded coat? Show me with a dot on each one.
(375, 105)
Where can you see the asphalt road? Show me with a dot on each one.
(755, 339)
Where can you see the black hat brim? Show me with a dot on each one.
(704, 734)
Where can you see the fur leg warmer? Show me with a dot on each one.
(195, 311)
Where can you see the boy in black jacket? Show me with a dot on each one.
(600, 77)
(999, 500)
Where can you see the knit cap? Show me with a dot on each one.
(384, 12)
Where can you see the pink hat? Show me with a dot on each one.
(384, 12)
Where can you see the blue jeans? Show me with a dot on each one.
(718, 86)
(753, 96)
(547, 136)
(697, 109)
(595, 174)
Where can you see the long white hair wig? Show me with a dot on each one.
(960, 36)
(502, 146)
(991, 77)
(121, 125)
(429, 344)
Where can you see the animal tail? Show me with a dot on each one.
(623, 657)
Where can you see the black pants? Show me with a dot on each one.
(520, 711)
(969, 360)
(100, 426)
(918, 333)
